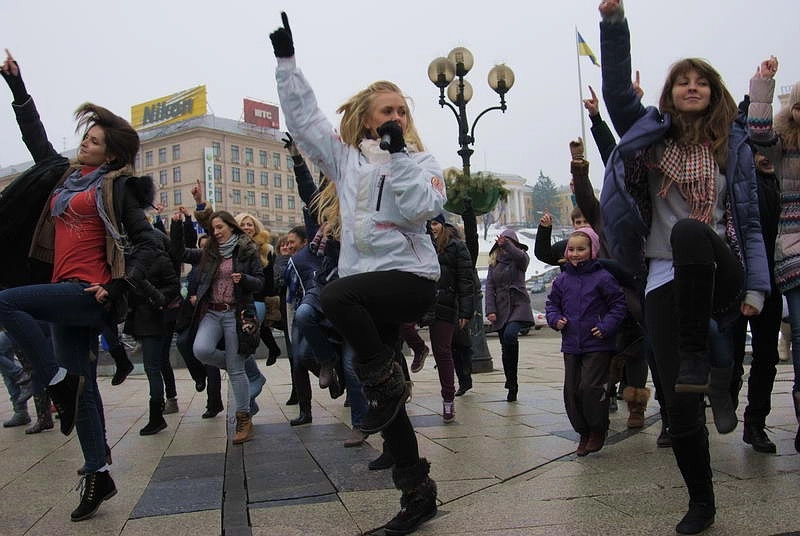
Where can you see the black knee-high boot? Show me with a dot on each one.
(694, 292)
(510, 354)
(694, 462)
(418, 502)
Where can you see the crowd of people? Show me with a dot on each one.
(692, 239)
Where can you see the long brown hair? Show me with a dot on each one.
(714, 125)
(354, 112)
(211, 249)
(121, 139)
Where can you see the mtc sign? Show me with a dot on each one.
(170, 109)
(261, 114)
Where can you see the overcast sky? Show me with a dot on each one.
(122, 53)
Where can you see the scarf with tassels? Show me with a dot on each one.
(694, 170)
(77, 183)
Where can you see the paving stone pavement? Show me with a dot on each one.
(501, 468)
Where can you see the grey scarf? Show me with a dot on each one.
(226, 248)
(76, 184)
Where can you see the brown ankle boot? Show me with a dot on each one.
(637, 402)
(244, 427)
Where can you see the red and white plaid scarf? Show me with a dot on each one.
(694, 169)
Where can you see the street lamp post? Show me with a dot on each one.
(448, 73)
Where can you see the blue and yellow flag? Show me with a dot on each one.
(584, 50)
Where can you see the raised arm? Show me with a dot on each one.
(760, 113)
(312, 131)
(31, 127)
(624, 105)
(603, 137)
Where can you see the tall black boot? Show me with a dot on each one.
(796, 399)
(720, 397)
(510, 354)
(694, 293)
(694, 462)
(156, 422)
(385, 388)
(418, 502)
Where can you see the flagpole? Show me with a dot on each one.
(580, 88)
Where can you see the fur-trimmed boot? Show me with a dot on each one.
(418, 502)
(385, 389)
(637, 398)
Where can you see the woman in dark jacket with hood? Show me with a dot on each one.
(508, 304)
(453, 305)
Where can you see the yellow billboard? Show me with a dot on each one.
(170, 109)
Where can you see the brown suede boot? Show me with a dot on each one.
(244, 427)
(637, 402)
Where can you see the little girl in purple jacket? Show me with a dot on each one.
(587, 306)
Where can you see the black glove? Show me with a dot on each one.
(282, 42)
(395, 133)
(16, 85)
(150, 293)
(288, 142)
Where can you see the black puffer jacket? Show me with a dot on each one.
(146, 309)
(455, 288)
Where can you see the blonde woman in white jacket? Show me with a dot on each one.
(388, 187)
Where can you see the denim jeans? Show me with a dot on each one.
(793, 300)
(10, 370)
(308, 324)
(76, 318)
(355, 393)
(214, 326)
(151, 358)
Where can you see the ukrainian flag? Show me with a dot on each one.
(584, 50)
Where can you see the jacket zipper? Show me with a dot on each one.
(380, 192)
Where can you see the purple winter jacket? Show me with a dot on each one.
(587, 296)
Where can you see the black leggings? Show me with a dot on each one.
(367, 309)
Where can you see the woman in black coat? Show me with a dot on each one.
(454, 305)
(146, 322)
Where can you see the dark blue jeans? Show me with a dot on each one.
(152, 360)
(76, 318)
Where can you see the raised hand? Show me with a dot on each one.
(637, 88)
(197, 192)
(592, 104)
(768, 68)
(290, 145)
(576, 149)
(10, 72)
(546, 220)
(282, 41)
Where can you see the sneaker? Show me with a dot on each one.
(94, 488)
(356, 439)
(419, 360)
(448, 411)
(64, 395)
(20, 418)
(171, 406)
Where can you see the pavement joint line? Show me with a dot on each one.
(235, 511)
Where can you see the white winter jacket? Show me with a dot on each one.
(384, 200)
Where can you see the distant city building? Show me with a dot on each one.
(242, 165)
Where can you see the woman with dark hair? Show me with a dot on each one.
(228, 273)
(387, 264)
(453, 307)
(680, 208)
(94, 232)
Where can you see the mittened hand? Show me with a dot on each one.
(395, 132)
(282, 42)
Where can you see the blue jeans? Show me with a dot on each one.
(793, 300)
(355, 393)
(308, 323)
(75, 317)
(152, 360)
(10, 370)
(214, 326)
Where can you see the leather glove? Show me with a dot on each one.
(395, 132)
(16, 85)
(282, 42)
